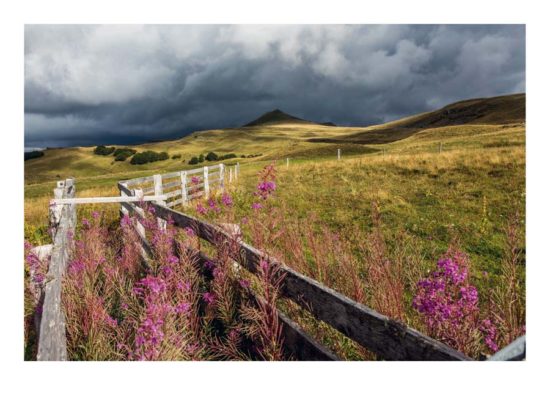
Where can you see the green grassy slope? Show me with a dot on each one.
(97, 175)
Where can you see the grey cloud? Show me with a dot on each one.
(107, 84)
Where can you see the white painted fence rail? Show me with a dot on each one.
(183, 186)
(78, 201)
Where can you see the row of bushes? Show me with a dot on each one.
(123, 154)
(211, 156)
(120, 154)
(147, 156)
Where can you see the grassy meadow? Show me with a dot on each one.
(465, 194)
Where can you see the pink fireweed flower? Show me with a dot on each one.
(153, 285)
(173, 259)
(264, 265)
(182, 308)
(212, 205)
(111, 321)
(96, 215)
(189, 231)
(244, 283)
(448, 304)
(490, 332)
(256, 206)
(201, 209)
(227, 200)
(265, 189)
(195, 180)
(85, 223)
(208, 297)
(125, 221)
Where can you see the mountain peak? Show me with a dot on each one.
(276, 116)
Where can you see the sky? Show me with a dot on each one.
(124, 84)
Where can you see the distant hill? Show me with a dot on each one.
(500, 110)
(277, 116)
(495, 110)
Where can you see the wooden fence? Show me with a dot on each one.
(386, 338)
(51, 336)
(183, 186)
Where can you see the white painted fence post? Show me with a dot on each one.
(222, 176)
(184, 198)
(138, 225)
(158, 191)
(287, 162)
(230, 175)
(123, 210)
(206, 184)
(338, 153)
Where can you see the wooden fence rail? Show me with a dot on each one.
(183, 186)
(378, 333)
(51, 337)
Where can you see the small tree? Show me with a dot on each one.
(193, 161)
(211, 156)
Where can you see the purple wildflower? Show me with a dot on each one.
(208, 297)
(201, 209)
(182, 308)
(226, 200)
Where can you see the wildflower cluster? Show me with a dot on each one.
(266, 186)
(215, 205)
(449, 304)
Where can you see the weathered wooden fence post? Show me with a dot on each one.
(338, 153)
(123, 210)
(184, 199)
(222, 176)
(139, 226)
(206, 184)
(52, 341)
(158, 191)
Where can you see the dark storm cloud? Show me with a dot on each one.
(126, 84)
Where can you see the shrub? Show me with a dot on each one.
(211, 156)
(103, 150)
(227, 156)
(124, 151)
(122, 156)
(176, 156)
(29, 155)
(193, 161)
(201, 158)
(147, 156)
